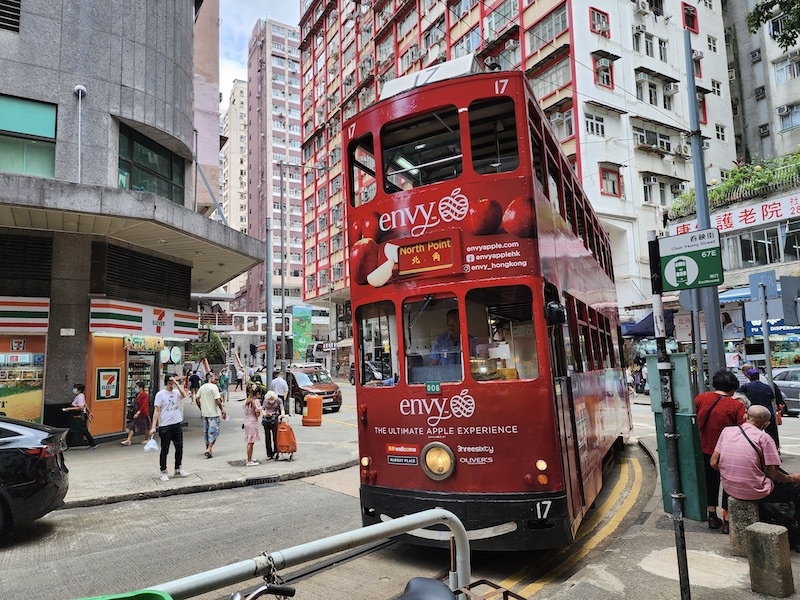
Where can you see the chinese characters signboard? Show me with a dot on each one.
(692, 260)
(743, 217)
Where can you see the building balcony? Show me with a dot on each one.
(216, 321)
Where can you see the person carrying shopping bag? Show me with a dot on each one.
(271, 412)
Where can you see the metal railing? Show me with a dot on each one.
(261, 565)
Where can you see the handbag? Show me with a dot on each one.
(269, 420)
(132, 410)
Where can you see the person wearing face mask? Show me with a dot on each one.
(749, 465)
(81, 415)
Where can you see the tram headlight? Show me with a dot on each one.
(541, 465)
(438, 461)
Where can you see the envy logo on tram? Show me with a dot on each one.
(461, 405)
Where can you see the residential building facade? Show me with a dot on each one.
(764, 84)
(611, 77)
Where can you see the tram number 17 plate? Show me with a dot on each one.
(543, 509)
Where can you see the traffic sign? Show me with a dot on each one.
(691, 260)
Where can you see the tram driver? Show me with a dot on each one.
(446, 348)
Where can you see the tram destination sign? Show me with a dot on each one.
(691, 260)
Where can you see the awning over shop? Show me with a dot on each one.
(345, 343)
(646, 327)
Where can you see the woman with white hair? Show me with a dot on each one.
(271, 412)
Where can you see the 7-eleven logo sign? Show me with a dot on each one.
(107, 384)
(159, 319)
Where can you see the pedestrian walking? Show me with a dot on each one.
(168, 416)
(271, 412)
(239, 380)
(194, 384)
(252, 410)
(762, 394)
(81, 415)
(209, 401)
(140, 423)
(222, 384)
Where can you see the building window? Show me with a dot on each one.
(667, 101)
(791, 118)
(610, 182)
(720, 131)
(637, 41)
(708, 4)
(599, 22)
(595, 124)
(785, 71)
(146, 166)
(690, 17)
(652, 94)
(662, 50)
(551, 79)
(548, 28)
(698, 68)
(649, 45)
(27, 137)
(716, 87)
(604, 72)
(712, 43)
(664, 142)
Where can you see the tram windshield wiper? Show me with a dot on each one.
(425, 302)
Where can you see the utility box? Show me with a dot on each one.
(690, 454)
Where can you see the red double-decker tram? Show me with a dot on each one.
(488, 372)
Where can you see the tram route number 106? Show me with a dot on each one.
(543, 508)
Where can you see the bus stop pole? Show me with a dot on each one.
(668, 411)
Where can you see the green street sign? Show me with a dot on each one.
(433, 387)
(691, 260)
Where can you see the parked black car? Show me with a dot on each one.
(33, 476)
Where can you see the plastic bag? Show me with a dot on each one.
(151, 445)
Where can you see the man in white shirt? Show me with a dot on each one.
(168, 415)
(209, 401)
(280, 387)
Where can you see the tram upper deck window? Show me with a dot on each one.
(377, 343)
(501, 319)
(362, 175)
(493, 135)
(434, 340)
(422, 150)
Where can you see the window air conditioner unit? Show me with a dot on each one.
(763, 130)
(697, 55)
(755, 56)
(671, 89)
(706, 144)
(640, 29)
(349, 80)
(556, 118)
(682, 149)
(760, 93)
(603, 63)
(603, 28)
(652, 179)
(678, 188)
(700, 96)
(642, 7)
(794, 56)
(783, 110)
(512, 44)
(641, 77)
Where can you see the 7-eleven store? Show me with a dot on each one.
(129, 343)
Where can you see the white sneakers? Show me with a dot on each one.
(178, 473)
(251, 463)
(164, 476)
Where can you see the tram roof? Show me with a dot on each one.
(450, 69)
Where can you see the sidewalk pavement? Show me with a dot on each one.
(640, 563)
(115, 473)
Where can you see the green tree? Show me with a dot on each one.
(213, 350)
(764, 12)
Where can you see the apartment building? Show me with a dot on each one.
(233, 170)
(276, 176)
(611, 77)
(764, 84)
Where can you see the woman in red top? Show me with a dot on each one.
(715, 411)
(141, 418)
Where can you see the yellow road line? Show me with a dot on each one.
(598, 537)
(329, 420)
(587, 527)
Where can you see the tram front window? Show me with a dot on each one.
(377, 343)
(501, 319)
(434, 340)
(422, 150)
